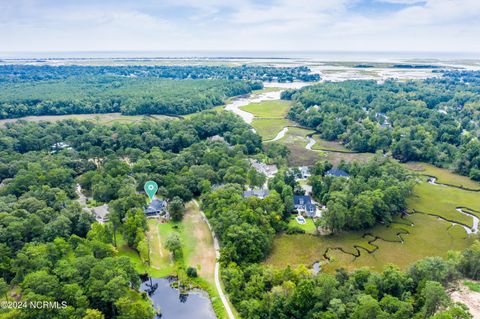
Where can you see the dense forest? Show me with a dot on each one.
(50, 250)
(29, 73)
(435, 120)
(373, 193)
(107, 94)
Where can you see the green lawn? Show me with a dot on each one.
(473, 285)
(309, 227)
(268, 109)
(124, 250)
(198, 249)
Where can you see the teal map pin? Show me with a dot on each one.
(150, 188)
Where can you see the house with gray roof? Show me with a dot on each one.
(157, 208)
(259, 193)
(304, 204)
(336, 172)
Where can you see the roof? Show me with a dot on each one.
(261, 193)
(311, 208)
(336, 172)
(302, 200)
(155, 206)
(101, 211)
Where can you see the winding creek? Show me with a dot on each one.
(280, 135)
(311, 142)
(236, 103)
(469, 230)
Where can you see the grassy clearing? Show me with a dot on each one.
(472, 285)
(140, 267)
(443, 175)
(322, 144)
(197, 250)
(107, 118)
(309, 227)
(269, 128)
(198, 247)
(268, 109)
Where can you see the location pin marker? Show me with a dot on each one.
(150, 188)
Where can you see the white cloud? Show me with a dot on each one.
(430, 25)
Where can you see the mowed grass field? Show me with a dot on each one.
(268, 109)
(198, 249)
(197, 246)
(405, 241)
(154, 270)
(309, 227)
(107, 118)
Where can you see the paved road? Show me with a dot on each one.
(217, 267)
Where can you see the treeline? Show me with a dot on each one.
(373, 193)
(419, 292)
(107, 94)
(51, 251)
(29, 73)
(435, 120)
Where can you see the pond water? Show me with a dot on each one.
(175, 305)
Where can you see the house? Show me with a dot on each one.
(259, 193)
(60, 146)
(304, 172)
(101, 213)
(157, 208)
(336, 172)
(303, 204)
(216, 138)
(268, 170)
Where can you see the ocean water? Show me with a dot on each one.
(309, 55)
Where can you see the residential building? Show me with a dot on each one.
(259, 193)
(336, 172)
(304, 172)
(157, 208)
(304, 204)
(267, 170)
(101, 213)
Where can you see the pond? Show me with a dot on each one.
(175, 305)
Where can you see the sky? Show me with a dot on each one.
(240, 25)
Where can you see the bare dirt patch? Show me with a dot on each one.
(199, 242)
(468, 297)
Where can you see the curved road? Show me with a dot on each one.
(217, 266)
